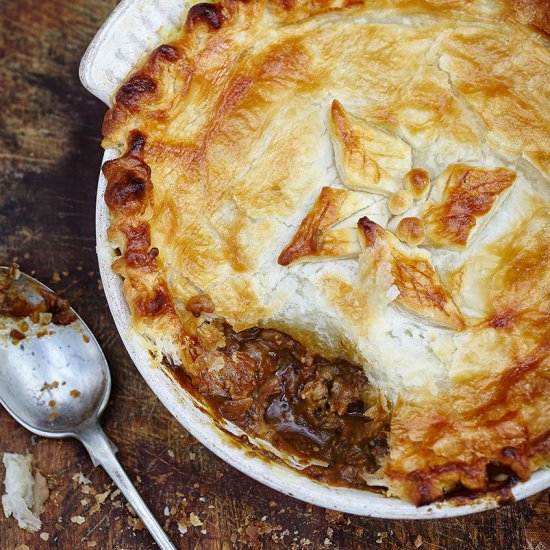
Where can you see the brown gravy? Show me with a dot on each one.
(307, 406)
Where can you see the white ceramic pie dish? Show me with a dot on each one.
(137, 26)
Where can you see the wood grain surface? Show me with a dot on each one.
(49, 160)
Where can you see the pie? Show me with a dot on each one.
(332, 221)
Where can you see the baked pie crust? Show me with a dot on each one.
(365, 182)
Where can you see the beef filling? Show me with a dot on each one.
(272, 388)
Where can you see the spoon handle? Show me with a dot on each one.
(101, 451)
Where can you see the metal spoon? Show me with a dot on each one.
(57, 385)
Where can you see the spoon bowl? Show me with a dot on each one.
(55, 381)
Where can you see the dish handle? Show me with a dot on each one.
(134, 28)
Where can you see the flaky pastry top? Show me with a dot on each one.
(372, 178)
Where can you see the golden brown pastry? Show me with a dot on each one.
(411, 231)
(368, 158)
(417, 182)
(463, 198)
(400, 202)
(418, 288)
(250, 147)
(321, 236)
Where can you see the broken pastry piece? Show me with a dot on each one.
(367, 158)
(420, 289)
(324, 233)
(26, 493)
(462, 201)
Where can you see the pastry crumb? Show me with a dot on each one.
(102, 497)
(182, 528)
(135, 523)
(195, 520)
(78, 519)
(81, 479)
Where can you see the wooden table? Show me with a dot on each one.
(49, 157)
